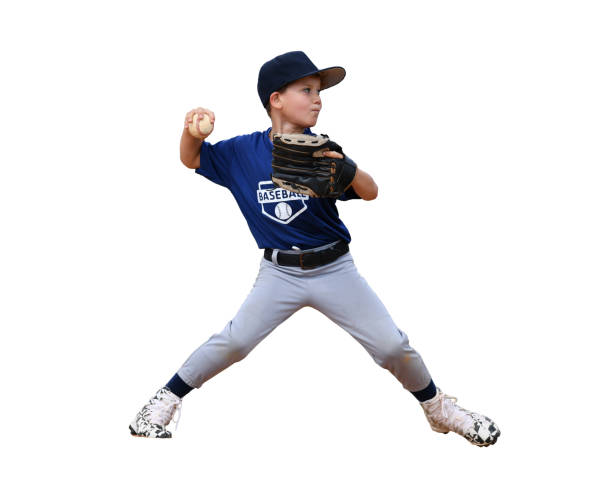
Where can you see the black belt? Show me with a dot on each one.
(309, 260)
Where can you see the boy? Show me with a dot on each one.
(306, 260)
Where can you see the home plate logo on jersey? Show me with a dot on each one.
(280, 204)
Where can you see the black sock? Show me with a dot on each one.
(426, 393)
(177, 386)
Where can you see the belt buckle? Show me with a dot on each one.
(305, 267)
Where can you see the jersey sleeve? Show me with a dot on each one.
(348, 194)
(216, 161)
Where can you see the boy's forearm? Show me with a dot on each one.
(190, 148)
(364, 185)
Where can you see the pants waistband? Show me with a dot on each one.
(307, 259)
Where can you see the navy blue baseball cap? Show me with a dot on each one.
(292, 66)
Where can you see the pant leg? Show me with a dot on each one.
(275, 296)
(345, 297)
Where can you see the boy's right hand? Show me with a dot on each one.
(198, 114)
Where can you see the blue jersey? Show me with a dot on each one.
(276, 217)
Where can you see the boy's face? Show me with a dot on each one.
(301, 101)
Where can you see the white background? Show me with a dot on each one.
(486, 126)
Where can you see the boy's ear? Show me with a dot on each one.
(275, 100)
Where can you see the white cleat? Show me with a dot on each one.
(152, 420)
(444, 415)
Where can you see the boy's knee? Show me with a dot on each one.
(236, 347)
(391, 349)
(239, 349)
(386, 353)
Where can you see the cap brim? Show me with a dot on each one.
(331, 76)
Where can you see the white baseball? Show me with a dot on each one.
(282, 210)
(204, 125)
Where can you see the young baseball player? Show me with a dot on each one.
(306, 260)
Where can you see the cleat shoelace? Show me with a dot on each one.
(163, 409)
(457, 418)
(444, 415)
